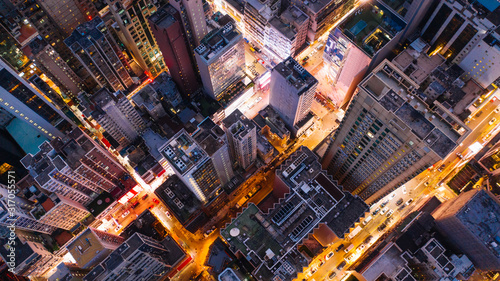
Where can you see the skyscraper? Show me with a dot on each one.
(389, 135)
(193, 18)
(131, 18)
(116, 114)
(242, 136)
(75, 167)
(291, 93)
(256, 18)
(59, 211)
(167, 29)
(90, 44)
(27, 104)
(470, 222)
(139, 258)
(68, 14)
(221, 60)
(192, 165)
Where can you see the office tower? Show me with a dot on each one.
(323, 14)
(92, 246)
(193, 19)
(221, 60)
(139, 258)
(211, 138)
(54, 66)
(25, 103)
(131, 18)
(117, 116)
(479, 62)
(19, 211)
(75, 167)
(470, 223)
(286, 35)
(68, 271)
(186, 208)
(455, 28)
(90, 44)
(192, 165)
(355, 47)
(256, 18)
(291, 93)
(307, 202)
(242, 136)
(59, 211)
(149, 101)
(167, 29)
(31, 258)
(389, 135)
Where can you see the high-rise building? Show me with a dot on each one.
(131, 18)
(242, 137)
(286, 35)
(307, 202)
(165, 86)
(18, 211)
(256, 18)
(192, 165)
(479, 62)
(221, 60)
(470, 223)
(291, 93)
(167, 28)
(27, 104)
(75, 167)
(52, 65)
(31, 259)
(59, 211)
(359, 43)
(116, 114)
(211, 138)
(92, 246)
(323, 14)
(92, 45)
(139, 258)
(193, 19)
(389, 135)
(68, 271)
(455, 28)
(69, 14)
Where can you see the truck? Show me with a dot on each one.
(367, 220)
(354, 232)
(350, 247)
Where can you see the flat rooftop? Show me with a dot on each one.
(284, 28)
(209, 136)
(215, 42)
(84, 33)
(389, 263)
(269, 117)
(397, 94)
(296, 75)
(146, 97)
(417, 65)
(371, 27)
(238, 124)
(182, 152)
(163, 17)
(294, 15)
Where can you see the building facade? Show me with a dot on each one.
(241, 133)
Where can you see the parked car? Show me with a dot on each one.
(332, 275)
(145, 196)
(329, 256)
(341, 265)
(399, 202)
(376, 211)
(409, 201)
(492, 121)
(339, 248)
(126, 213)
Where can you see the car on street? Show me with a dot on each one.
(339, 248)
(126, 213)
(399, 202)
(156, 201)
(332, 275)
(383, 211)
(409, 201)
(135, 204)
(492, 121)
(341, 265)
(376, 211)
(329, 256)
(145, 196)
(321, 263)
(384, 203)
(361, 247)
(167, 213)
(390, 213)
(151, 207)
(497, 110)
(313, 270)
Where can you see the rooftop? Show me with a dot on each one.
(163, 17)
(345, 214)
(153, 141)
(295, 16)
(269, 117)
(371, 27)
(165, 86)
(209, 136)
(85, 247)
(238, 124)
(417, 65)
(398, 94)
(146, 97)
(296, 75)
(84, 34)
(184, 205)
(182, 152)
(284, 28)
(214, 43)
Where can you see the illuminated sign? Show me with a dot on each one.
(133, 192)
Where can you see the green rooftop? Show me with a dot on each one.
(371, 27)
